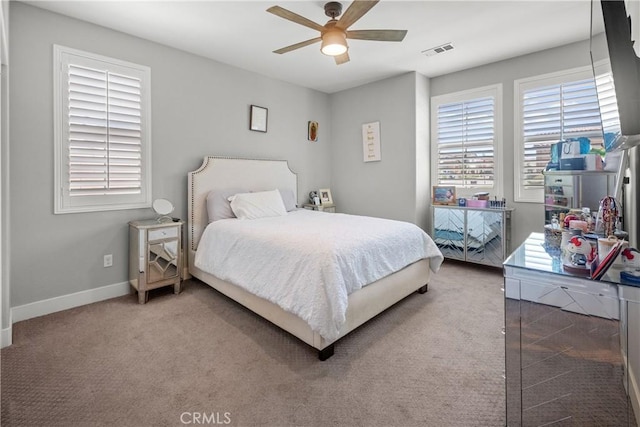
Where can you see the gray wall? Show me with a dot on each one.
(5, 298)
(386, 188)
(199, 107)
(423, 153)
(528, 217)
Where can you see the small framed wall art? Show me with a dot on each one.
(258, 119)
(325, 196)
(444, 195)
(312, 131)
(371, 142)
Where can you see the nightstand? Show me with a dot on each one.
(323, 208)
(155, 256)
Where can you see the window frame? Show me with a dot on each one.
(63, 202)
(536, 195)
(494, 91)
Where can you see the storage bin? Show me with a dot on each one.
(476, 203)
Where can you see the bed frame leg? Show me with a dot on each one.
(424, 289)
(325, 353)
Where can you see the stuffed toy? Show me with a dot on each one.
(631, 261)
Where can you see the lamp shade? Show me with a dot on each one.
(334, 43)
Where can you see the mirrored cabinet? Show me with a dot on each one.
(472, 234)
(155, 256)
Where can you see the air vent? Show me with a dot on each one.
(438, 49)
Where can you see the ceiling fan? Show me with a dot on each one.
(334, 33)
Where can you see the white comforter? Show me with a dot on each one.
(308, 262)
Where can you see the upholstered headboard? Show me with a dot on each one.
(219, 173)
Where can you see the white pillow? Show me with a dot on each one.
(260, 204)
(288, 198)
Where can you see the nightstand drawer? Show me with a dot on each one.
(163, 233)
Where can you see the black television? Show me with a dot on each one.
(623, 131)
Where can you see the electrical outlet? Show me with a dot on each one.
(108, 260)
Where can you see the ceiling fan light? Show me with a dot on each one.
(334, 43)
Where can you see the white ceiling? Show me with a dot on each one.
(241, 33)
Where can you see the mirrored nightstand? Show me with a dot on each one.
(155, 256)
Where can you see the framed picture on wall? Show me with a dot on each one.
(258, 119)
(371, 142)
(312, 131)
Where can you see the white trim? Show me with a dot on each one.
(490, 90)
(65, 302)
(6, 335)
(62, 204)
(4, 32)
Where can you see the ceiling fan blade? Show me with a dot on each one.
(298, 45)
(354, 12)
(341, 59)
(379, 35)
(294, 17)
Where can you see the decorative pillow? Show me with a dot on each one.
(288, 198)
(260, 204)
(218, 206)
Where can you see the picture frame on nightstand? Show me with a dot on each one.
(325, 196)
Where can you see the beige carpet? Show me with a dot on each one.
(198, 358)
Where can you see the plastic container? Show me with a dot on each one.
(476, 203)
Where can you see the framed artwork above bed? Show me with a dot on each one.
(258, 119)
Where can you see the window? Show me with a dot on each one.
(102, 135)
(551, 108)
(466, 140)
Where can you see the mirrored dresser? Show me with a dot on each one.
(572, 344)
(155, 256)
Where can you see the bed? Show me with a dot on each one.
(222, 175)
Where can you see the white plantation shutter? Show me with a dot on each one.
(465, 141)
(104, 146)
(608, 103)
(552, 108)
(553, 113)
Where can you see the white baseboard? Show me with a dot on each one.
(6, 337)
(65, 302)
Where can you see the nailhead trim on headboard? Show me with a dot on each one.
(208, 162)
